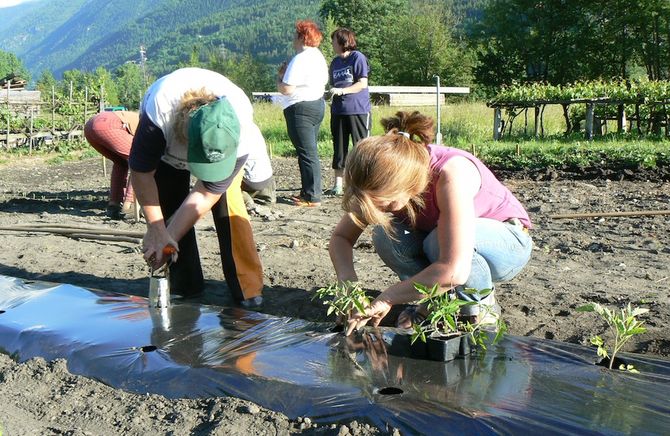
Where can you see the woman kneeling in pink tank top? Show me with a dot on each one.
(440, 216)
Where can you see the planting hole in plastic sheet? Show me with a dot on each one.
(390, 391)
(301, 369)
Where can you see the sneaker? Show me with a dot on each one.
(252, 303)
(301, 202)
(248, 201)
(113, 211)
(335, 191)
(128, 212)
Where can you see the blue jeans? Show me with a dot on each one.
(502, 249)
(303, 121)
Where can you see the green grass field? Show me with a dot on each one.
(467, 125)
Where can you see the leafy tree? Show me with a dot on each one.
(246, 72)
(650, 26)
(10, 64)
(326, 46)
(193, 59)
(46, 83)
(95, 86)
(432, 48)
(130, 84)
(563, 41)
(530, 40)
(102, 79)
(368, 19)
(73, 81)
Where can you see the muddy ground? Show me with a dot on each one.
(610, 260)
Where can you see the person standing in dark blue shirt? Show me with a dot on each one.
(350, 108)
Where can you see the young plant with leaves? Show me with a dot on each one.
(342, 298)
(443, 316)
(623, 326)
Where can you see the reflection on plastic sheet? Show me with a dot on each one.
(302, 369)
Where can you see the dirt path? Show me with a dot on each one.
(612, 261)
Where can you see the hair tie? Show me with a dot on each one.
(405, 134)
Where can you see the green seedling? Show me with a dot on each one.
(443, 320)
(623, 326)
(342, 298)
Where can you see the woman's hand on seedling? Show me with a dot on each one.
(375, 313)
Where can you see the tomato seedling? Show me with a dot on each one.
(623, 326)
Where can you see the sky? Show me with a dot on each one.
(8, 3)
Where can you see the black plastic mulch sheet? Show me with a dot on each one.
(301, 369)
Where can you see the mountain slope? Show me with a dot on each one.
(58, 35)
(26, 25)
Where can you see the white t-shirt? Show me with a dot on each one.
(258, 167)
(162, 100)
(308, 72)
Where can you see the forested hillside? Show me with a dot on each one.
(483, 44)
(59, 35)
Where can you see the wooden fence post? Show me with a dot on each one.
(101, 107)
(588, 127)
(8, 117)
(621, 122)
(53, 110)
(30, 139)
(70, 126)
(637, 117)
(497, 123)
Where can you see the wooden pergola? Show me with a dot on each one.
(514, 109)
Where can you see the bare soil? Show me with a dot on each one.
(610, 260)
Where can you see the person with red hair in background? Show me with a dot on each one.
(302, 84)
(111, 134)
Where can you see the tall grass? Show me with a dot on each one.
(466, 125)
(469, 125)
(462, 124)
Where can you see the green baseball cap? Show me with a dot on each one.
(213, 137)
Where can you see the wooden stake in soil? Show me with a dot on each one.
(65, 230)
(610, 214)
(100, 234)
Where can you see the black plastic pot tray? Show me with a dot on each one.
(299, 368)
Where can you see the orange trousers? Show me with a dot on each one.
(241, 264)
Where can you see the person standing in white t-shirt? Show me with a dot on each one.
(303, 83)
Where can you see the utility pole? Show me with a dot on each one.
(438, 135)
(143, 64)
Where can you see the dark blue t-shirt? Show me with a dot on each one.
(344, 72)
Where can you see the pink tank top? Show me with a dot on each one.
(493, 200)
